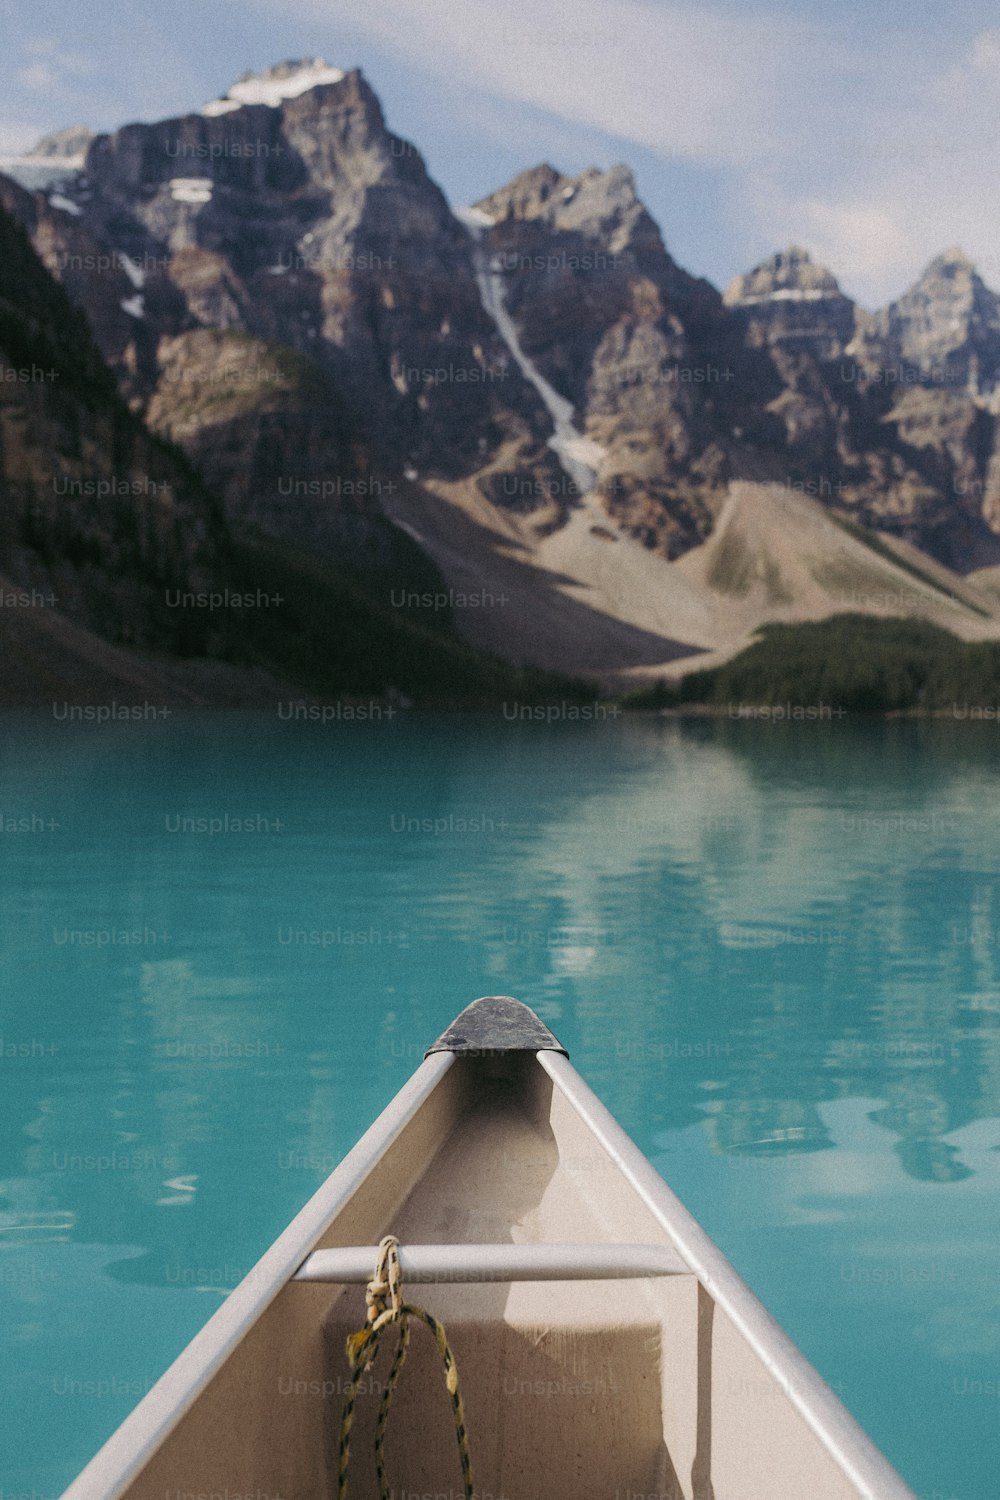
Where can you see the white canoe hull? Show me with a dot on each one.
(678, 1384)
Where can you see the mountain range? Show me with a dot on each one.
(525, 400)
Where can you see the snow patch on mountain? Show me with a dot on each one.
(191, 189)
(66, 204)
(788, 294)
(474, 218)
(220, 107)
(579, 456)
(134, 272)
(286, 81)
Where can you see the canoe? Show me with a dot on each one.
(605, 1348)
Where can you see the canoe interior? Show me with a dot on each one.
(583, 1390)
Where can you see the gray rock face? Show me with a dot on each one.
(791, 313)
(628, 336)
(307, 223)
(790, 302)
(52, 161)
(945, 329)
(783, 378)
(286, 214)
(71, 142)
(298, 222)
(570, 250)
(928, 365)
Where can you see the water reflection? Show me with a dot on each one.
(762, 918)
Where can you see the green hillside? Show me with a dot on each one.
(853, 662)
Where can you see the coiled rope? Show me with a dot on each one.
(384, 1300)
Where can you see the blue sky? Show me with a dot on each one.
(871, 134)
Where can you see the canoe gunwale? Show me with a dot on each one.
(862, 1462)
(130, 1447)
(688, 1250)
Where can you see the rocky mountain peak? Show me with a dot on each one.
(950, 262)
(793, 306)
(787, 276)
(582, 203)
(286, 214)
(53, 160)
(69, 144)
(526, 196)
(598, 206)
(950, 277)
(947, 325)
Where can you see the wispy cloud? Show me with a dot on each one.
(871, 147)
(52, 66)
(676, 79)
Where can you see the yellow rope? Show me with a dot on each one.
(384, 1300)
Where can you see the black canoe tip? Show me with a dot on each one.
(496, 1023)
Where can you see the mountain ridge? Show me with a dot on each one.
(425, 357)
(308, 73)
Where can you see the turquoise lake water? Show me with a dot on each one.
(773, 950)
